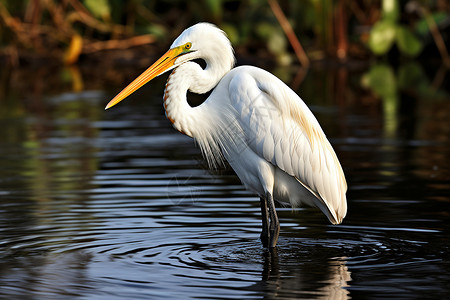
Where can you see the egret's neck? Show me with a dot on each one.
(190, 76)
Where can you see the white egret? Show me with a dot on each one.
(254, 121)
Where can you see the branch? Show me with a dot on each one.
(438, 40)
(119, 44)
(287, 28)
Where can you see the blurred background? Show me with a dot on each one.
(102, 44)
(117, 204)
(118, 33)
(71, 31)
(396, 48)
(400, 40)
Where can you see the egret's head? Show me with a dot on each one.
(207, 42)
(202, 40)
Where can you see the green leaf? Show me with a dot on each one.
(422, 28)
(390, 10)
(411, 76)
(99, 8)
(407, 43)
(382, 36)
(232, 33)
(277, 43)
(381, 79)
(214, 6)
(155, 29)
(264, 30)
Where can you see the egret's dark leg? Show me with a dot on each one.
(265, 222)
(274, 228)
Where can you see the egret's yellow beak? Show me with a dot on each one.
(160, 66)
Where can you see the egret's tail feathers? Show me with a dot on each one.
(334, 214)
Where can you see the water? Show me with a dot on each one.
(118, 205)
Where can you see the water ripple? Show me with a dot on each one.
(125, 209)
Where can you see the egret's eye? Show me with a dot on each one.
(188, 46)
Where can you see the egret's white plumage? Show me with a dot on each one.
(254, 121)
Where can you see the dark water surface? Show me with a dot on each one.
(118, 205)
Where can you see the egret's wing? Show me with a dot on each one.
(280, 127)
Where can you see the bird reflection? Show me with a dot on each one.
(271, 266)
(284, 277)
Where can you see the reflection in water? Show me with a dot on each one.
(118, 205)
(43, 275)
(303, 278)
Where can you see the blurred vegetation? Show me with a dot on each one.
(71, 30)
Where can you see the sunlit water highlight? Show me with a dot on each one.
(118, 205)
